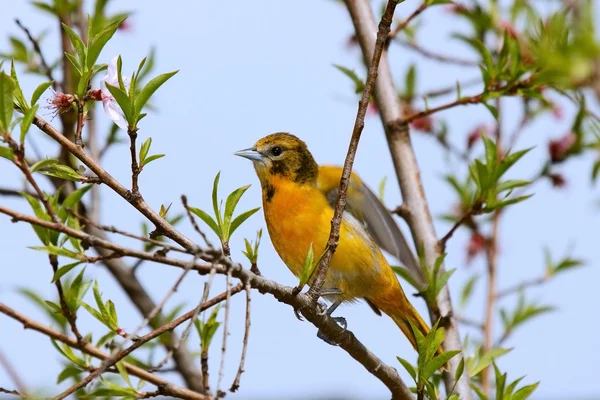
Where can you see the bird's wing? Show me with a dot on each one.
(364, 205)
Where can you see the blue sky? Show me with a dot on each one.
(266, 66)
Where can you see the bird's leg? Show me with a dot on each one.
(322, 306)
(341, 321)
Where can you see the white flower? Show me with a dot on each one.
(111, 107)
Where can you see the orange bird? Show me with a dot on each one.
(298, 214)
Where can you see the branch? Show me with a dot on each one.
(135, 169)
(302, 302)
(87, 348)
(407, 170)
(359, 123)
(38, 50)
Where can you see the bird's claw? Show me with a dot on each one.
(298, 314)
(341, 321)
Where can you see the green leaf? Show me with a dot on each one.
(77, 43)
(122, 100)
(407, 276)
(74, 63)
(62, 172)
(27, 121)
(308, 267)
(215, 200)
(151, 158)
(144, 150)
(510, 159)
(240, 219)
(69, 372)
(493, 110)
(57, 251)
(37, 93)
(486, 360)
(478, 391)
(7, 86)
(408, 367)
(230, 205)
(409, 82)
(18, 93)
(103, 311)
(148, 90)
(7, 153)
(359, 85)
(491, 155)
(524, 392)
(72, 200)
(123, 372)
(99, 41)
(68, 353)
(43, 164)
(508, 202)
(437, 362)
(511, 184)
(468, 290)
(208, 220)
(63, 270)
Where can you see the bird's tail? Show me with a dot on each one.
(404, 314)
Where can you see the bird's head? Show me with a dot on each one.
(282, 155)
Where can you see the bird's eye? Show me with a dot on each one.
(276, 151)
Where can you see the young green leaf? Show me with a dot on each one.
(62, 172)
(63, 270)
(148, 90)
(7, 86)
(308, 267)
(57, 251)
(27, 121)
(99, 40)
(215, 200)
(122, 100)
(144, 149)
(37, 93)
(408, 367)
(208, 220)
(77, 43)
(240, 219)
(7, 153)
(359, 85)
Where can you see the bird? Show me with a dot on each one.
(298, 216)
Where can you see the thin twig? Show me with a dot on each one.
(472, 210)
(87, 348)
(225, 335)
(193, 222)
(522, 286)
(135, 169)
(469, 322)
(450, 89)
(359, 123)
(405, 23)
(38, 50)
(13, 392)
(236, 382)
(113, 229)
(438, 57)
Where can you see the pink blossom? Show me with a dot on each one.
(111, 107)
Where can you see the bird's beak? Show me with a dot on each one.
(250, 154)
